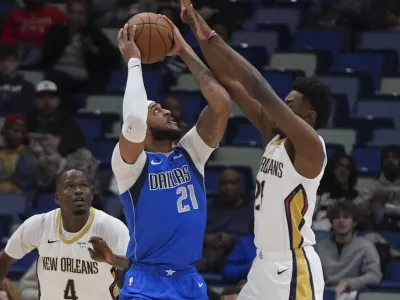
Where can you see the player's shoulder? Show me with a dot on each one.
(39, 221)
(108, 223)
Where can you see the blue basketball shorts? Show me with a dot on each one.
(155, 283)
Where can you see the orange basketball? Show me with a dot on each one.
(154, 36)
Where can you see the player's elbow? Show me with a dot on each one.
(223, 105)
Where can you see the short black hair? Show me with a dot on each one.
(395, 149)
(70, 168)
(319, 95)
(342, 207)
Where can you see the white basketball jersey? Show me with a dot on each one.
(64, 267)
(284, 203)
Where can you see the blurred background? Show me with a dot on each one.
(61, 89)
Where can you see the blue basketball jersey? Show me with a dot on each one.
(166, 212)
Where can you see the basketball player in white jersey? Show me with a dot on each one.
(286, 266)
(65, 269)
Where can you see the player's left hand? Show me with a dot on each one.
(179, 43)
(190, 16)
(101, 252)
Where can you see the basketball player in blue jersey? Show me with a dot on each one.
(161, 186)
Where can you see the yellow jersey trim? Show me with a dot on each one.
(84, 230)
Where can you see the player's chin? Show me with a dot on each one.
(79, 211)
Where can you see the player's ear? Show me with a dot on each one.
(311, 117)
(56, 198)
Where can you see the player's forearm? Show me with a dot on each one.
(135, 105)
(120, 262)
(5, 263)
(231, 66)
(215, 94)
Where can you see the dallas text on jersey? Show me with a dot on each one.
(70, 265)
(169, 179)
(271, 167)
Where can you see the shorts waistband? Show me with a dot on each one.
(162, 271)
(261, 254)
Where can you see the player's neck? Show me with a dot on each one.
(159, 146)
(73, 223)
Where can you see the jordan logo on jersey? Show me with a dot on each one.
(271, 167)
(169, 179)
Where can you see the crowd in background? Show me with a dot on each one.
(40, 135)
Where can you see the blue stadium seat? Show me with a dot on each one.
(379, 108)
(7, 8)
(310, 39)
(102, 150)
(5, 225)
(329, 294)
(105, 174)
(152, 82)
(190, 38)
(192, 103)
(281, 82)
(384, 136)
(334, 148)
(256, 55)
(392, 271)
(212, 174)
(91, 128)
(368, 160)
(380, 40)
(267, 39)
(321, 235)
(12, 204)
(348, 85)
(393, 238)
(46, 202)
(247, 134)
(279, 16)
(343, 62)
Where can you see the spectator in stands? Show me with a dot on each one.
(8, 291)
(229, 218)
(239, 261)
(28, 285)
(338, 183)
(78, 56)
(383, 200)
(16, 94)
(27, 26)
(174, 105)
(17, 168)
(349, 263)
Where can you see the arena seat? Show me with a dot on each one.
(12, 204)
(113, 206)
(192, 104)
(347, 84)
(345, 137)
(33, 76)
(46, 202)
(5, 226)
(248, 135)
(103, 103)
(344, 62)
(380, 40)
(392, 271)
(103, 149)
(279, 16)
(267, 39)
(186, 83)
(280, 81)
(390, 85)
(384, 136)
(19, 267)
(313, 39)
(306, 62)
(378, 295)
(365, 183)
(368, 160)
(379, 107)
(91, 128)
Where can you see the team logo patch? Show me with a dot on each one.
(131, 280)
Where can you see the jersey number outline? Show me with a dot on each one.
(70, 292)
(259, 192)
(183, 192)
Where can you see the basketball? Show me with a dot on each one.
(154, 36)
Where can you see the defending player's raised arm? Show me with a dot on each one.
(135, 107)
(303, 137)
(212, 123)
(24, 240)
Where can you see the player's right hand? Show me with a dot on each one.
(101, 252)
(179, 44)
(126, 43)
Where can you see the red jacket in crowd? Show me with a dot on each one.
(30, 26)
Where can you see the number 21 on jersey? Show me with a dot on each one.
(259, 194)
(184, 192)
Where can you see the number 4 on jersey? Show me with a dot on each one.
(69, 292)
(259, 193)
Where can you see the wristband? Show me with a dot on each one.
(212, 35)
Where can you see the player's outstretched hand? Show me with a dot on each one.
(126, 43)
(190, 16)
(101, 252)
(179, 44)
